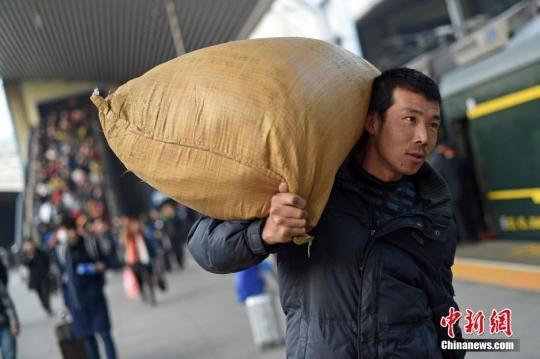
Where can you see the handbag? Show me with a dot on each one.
(131, 286)
(70, 347)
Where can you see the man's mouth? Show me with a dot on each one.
(417, 156)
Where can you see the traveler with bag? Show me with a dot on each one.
(376, 279)
(138, 257)
(82, 267)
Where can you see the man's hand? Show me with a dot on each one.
(287, 217)
(15, 331)
(100, 267)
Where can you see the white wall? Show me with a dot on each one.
(11, 174)
(306, 18)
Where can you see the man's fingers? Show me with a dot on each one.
(299, 202)
(287, 218)
(290, 222)
(288, 233)
(288, 212)
(289, 199)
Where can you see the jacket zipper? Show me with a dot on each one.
(372, 232)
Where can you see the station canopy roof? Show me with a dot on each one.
(113, 40)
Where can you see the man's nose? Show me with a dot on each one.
(420, 134)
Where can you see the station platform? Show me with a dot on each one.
(507, 263)
(200, 318)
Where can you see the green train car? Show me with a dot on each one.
(492, 110)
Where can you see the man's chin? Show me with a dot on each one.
(413, 170)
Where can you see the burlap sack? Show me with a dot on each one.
(219, 128)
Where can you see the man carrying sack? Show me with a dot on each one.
(376, 280)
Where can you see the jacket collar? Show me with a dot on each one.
(429, 184)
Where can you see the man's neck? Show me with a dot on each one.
(368, 160)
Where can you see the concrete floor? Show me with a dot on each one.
(199, 318)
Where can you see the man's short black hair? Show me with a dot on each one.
(405, 78)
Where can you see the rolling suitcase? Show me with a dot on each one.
(70, 347)
(264, 321)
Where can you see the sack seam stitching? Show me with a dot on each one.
(224, 154)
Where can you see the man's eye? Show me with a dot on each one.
(435, 125)
(410, 119)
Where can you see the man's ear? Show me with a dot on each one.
(371, 125)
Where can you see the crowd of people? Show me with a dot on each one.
(78, 238)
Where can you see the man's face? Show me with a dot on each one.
(134, 226)
(154, 214)
(67, 235)
(168, 210)
(30, 247)
(401, 142)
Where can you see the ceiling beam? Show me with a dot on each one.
(259, 10)
(174, 25)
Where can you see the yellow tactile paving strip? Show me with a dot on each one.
(503, 274)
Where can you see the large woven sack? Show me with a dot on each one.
(219, 128)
